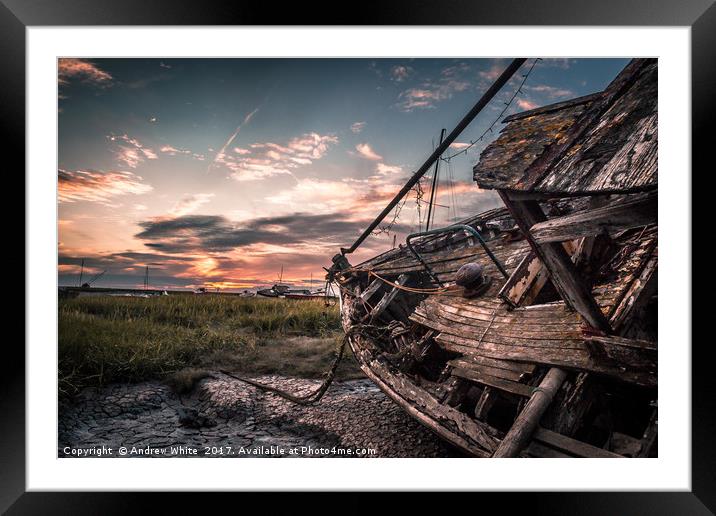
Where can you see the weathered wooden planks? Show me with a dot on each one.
(520, 143)
(517, 388)
(578, 357)
(619, 152)
(562, 271)
(638, 292)
(612, 218)
(546, 334)
(606, 145)
(557, 106)
(571, 446)
(525, 282)
(474, 436)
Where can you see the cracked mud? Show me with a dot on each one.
(227, 418)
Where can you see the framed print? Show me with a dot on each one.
(425, 246)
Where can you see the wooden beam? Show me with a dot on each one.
(485, 402)
(554, 107)
(530, 276)
(525, 282)
(525, 424)
(642, 288)
(520, 389)
(388, 298)
(614, 217)
(573, 401)
(572, 446)
(371, 289)
(563, 273)
(649, 440)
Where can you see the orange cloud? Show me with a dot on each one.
(526, 104)
(70, 68)
(131, 152)
(96, 186)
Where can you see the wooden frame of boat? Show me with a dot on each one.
(559, 360)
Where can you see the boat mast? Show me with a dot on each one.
(435, 184)
(82, 268)
(459, 128)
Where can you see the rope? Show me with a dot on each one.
(307, 399)
(504, 110)
(494, 313)
(434, 291)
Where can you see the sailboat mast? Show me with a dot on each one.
(82, 268)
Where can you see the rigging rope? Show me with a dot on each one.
(504, 110)
(413, 290)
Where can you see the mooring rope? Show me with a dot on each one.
(307, 399)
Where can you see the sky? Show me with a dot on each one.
(221, 172)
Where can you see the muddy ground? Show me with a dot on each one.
(227, 418)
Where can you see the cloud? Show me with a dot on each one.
(550, 91)
(322, 195)
(493, 72)
(358, 127)
(459, 145)
(96, 186)
(130, 151)
(455, 70)
(365, 151)
(430, 93)
(399, 73)
(563, 63)
(526, 104)
(213, 233)
(385, 170)
(190, 203)
(170, 150)
(83, 70)
(262, 160)
(357, 198)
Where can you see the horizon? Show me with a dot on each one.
(219, 173)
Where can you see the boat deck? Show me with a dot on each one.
(487, 342)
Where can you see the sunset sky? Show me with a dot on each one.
(218, 172)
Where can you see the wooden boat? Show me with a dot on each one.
(278, 290)
(558, 357)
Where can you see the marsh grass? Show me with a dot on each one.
(105, 339)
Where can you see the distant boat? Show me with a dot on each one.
(281, 290)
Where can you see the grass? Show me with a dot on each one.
(178, 339)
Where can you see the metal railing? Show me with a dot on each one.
(452, 229)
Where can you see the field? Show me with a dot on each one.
(177, 339)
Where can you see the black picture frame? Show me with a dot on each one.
(700, 15)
